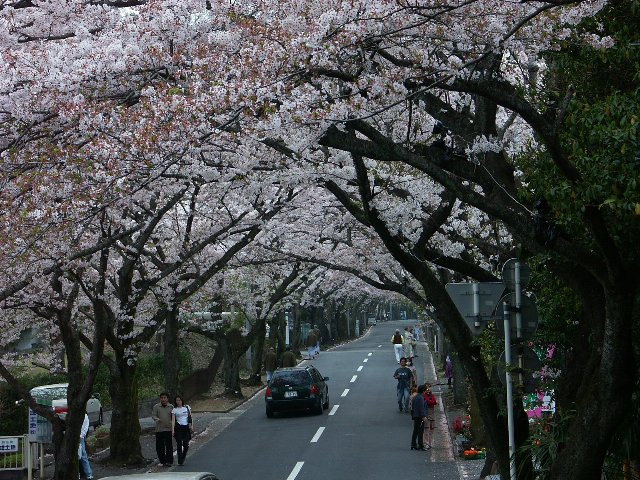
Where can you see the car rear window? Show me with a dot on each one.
(293, 378)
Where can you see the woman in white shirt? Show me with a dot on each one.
(182, 427)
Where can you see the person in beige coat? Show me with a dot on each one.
(161, 414)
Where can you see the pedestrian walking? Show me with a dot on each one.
(398, 343)
(270, 362)
(448, 370)
(413, 340)
(182, 427)
(288, 358)
(316, 330)
(82, 449)
(408, 346)
(312, 340)
(161, 414)
(419, 415)
(430, 401)
(414, 372)
(403, 375)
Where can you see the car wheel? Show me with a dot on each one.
(325, 405)
(269, 412)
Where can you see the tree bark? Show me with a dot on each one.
(171, 359)
(258, 355)
(608, 395)
(231, 367)
(125, 423)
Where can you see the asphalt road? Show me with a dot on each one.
(361, 435)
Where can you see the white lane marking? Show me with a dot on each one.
(334, 409)
(296, 470)
(379, 346)
(365, 360)
(360, 368)
(353, 379)
(317, 435)
(344, 394)
(370, 353)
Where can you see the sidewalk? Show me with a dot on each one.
(443, 447)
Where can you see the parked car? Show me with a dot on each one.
(57, 394)
(297, 388)
(165, 476)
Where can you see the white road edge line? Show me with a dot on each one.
(296, 470)
(344, 394)
(360, 368)
(334, 409)
(317, 435)
(353, 379)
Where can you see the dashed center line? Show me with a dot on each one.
(344, 394)
(370, 353)
(353, 379)
(317, 435)
(365, 360)
(296, 470)
(360, 368)
(379, 346)
(334, 409)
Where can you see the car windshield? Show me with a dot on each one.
(293, 378)
(53, 393)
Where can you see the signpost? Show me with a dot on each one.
(523, 321)
(8, 445)
(477, 304)
(528, 363)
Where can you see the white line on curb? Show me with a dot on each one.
(317, 435)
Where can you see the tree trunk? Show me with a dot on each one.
(258, 345)
(125, 423)
(171, 360)
(231, 366)
(608, 397)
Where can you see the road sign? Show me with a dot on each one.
(8, 445)
(528, 319)
(509, 274)
(476, 302)
(524, 368)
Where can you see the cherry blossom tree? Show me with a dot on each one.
(422, 119)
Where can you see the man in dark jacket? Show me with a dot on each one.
(270, 362)
(419, 416)
(404, 376)
(288, 358)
